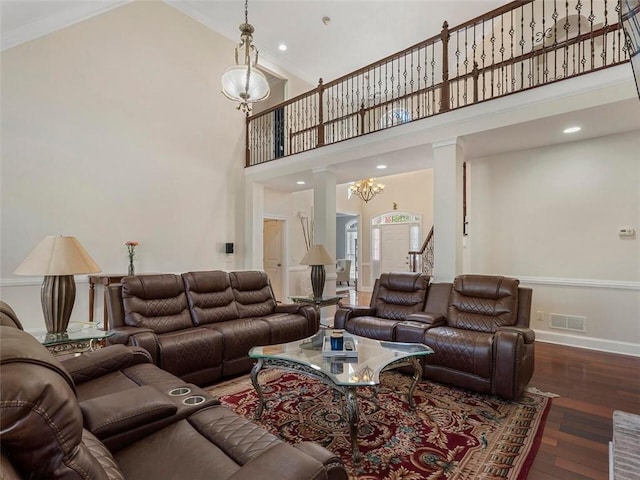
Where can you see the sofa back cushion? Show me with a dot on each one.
(483, 303)
(210, 296)
(398, 294)
(41, 421)
(157, 302)
(253, 294)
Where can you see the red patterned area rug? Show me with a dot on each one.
(452, 434)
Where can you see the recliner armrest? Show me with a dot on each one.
(100, 362)
(345, 312)
(360, 311)
(122, 411)
(288, 308)
(433, 319)
(139, 337)
(528, 334)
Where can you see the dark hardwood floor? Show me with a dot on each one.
(590, 385)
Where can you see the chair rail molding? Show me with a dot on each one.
(578, 282)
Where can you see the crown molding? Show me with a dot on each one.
(51, 23)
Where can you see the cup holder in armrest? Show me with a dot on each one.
(194, 400)
(180, 391)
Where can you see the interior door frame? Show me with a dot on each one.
(284, 274)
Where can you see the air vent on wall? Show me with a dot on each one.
(568, 322)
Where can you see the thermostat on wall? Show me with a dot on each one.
(626, 231)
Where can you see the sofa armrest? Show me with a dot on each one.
(288, 308)
(432, 319)
(528, 335)
(123, 411)
(284, 462)
(95, 364)
(138, 337)
(513, 361)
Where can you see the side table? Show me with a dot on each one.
(79, 337)
(317, 302)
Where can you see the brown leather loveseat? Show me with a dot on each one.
(477, 326)
(45, 430)
(201, 325)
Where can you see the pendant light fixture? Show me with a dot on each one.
(243, 82)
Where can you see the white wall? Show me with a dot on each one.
(115, 129)
(550, 217)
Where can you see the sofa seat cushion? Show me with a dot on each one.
(169, 446)
(287, 327)
(242, 334)
(131, 377)
(373, 327)
(463, 350)
(191, 350)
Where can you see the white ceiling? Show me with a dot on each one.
(360, 32)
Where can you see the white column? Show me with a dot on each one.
(448, 157)
(254, 218)
(324, 221)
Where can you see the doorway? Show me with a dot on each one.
(273, 254)
(393, 236)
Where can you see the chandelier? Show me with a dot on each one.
(366, 189)
(243, 82)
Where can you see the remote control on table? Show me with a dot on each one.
(348, 346)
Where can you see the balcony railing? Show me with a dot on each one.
(522, 45)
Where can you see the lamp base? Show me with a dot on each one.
(318, 277)
(58, 293)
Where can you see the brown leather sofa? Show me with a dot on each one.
(45, 430)
(200, 325)
(477, 326)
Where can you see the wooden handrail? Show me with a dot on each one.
(307, 116)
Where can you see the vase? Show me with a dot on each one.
(132, 269)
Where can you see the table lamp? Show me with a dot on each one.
(58, 258)
(317, 257)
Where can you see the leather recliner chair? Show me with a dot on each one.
(42, 434)
(485, 344)
(394, 297)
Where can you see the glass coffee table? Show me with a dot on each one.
(343, 374)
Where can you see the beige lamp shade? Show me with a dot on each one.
(58, 259)
(57, 255)
(317, 255)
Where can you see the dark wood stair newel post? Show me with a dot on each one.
(444, 93)
(320, 115)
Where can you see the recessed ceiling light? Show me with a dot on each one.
(381, 167)
(300, 182)
(572, 130)
(282, 47)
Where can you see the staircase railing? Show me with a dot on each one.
(422, 260)
(522, 45)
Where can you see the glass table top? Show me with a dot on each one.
(76, 332)
(373, 357)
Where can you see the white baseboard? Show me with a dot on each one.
(602, 345)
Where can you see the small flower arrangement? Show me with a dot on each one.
(131, 248)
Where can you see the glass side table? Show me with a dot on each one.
(79, 337)
(318, 303)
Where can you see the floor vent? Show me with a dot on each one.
(568, 322)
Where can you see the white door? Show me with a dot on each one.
(272, 254)
(394, 248)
